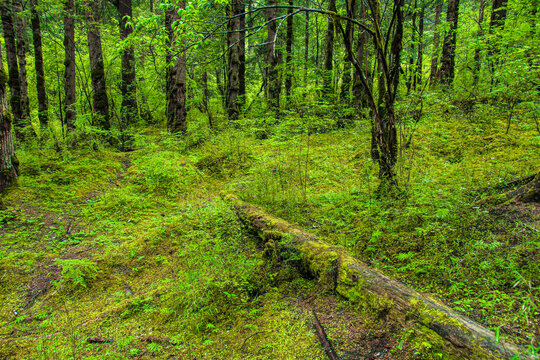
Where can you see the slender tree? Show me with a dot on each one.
(233, 60)
(43, 107)
(498, 17)
(13, 67)
(97, 67)
(328, 60)
(176, 72)
(22, 49)
(449, 44)
(479, 35)
(434, 73)
(412, 70)
(306, 48)
(360, 99)
(9, 165)
(128, 86)
(272, 58)
(289, 51)
(69, 71)
(347, 66)
(420, 55)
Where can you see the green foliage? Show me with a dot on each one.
(77, 272)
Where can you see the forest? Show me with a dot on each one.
(293, 179)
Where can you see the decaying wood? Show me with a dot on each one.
(375, 292)
(528, 190)
(327, 346)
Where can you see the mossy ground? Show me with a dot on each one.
(138, 247)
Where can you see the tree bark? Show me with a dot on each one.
(9, 165)
(272, 58)
(233, 60)
(97, 67)
(69, 62)
(334, 268)
(434, 73)
(360, 96)
(128, 87)
(347, 67)
(22, 49)
(289, 51)
(328, 60)
(412, 69)
(242, 54)
(479, 36)
(13, 68)
(420, 56)
(43, 106)
(176, 74)
(306, 48)
(449, 44)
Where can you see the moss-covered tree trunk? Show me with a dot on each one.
(69, 62)
(176, 72)
(479, 35)
(22, 49)
(372, 291)
(289, 50)
(347, 66)
(13, 67)
(97, 67)
(9, 165)
(43, 107)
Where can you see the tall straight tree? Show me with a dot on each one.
(448, 61)
(328, 62)
(242, 53)
(420, 55)
(272, 57)
(479, 35)
(22, 49)
(97, 67)
(43, 107)
(9, 166)
(69, 71)
(176, 71)
(412, 71)
(128, 85)
(434, 73)
(13, 67)
(289, 51)
(349, 31)
(360, 100)
(234, 10)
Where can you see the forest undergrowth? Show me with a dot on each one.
(107, 254)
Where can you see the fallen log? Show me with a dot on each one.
(373, 291)
(526, 190)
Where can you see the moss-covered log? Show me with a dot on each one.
(375, 292)
(528, 190)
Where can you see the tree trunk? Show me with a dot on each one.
(349, 31)
(328, 61)
(272, 59)
(242, 54)
(13, 68)
(233, 61)
(69, 62)
(97, 67)
(449, 44)
(43, 107)
(128, 87)
(420, 57)
(306, 48)
(289, 51)
(434, 73)
(360, 97)
(176, 74)
(479, 36)
(412, 70)
(22, 49)
(9, 165)
(386, 298)
(498, 17)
